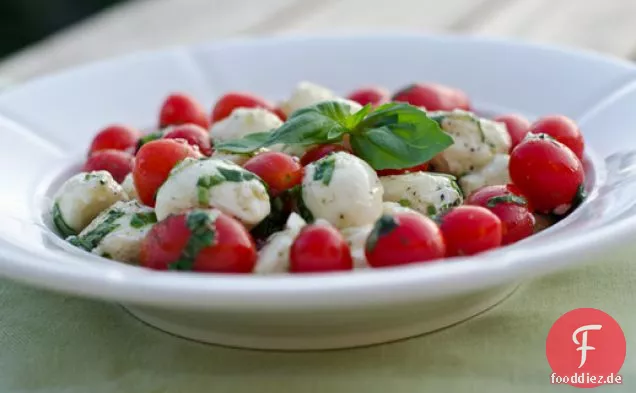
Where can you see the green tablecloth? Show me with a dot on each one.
(52, 343)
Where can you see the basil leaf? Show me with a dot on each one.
(140, 220)
(382, 227)
(355, 119)
(324, 170)
(202, 235)
(148, 138)
(61, 225)
(397, 136)
(319, 123)
(92, 238)
(247, 144)
(509, 198)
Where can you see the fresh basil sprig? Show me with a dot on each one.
(391, 136)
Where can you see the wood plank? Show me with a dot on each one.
(599, 25)
(141, 25)
(397, 14)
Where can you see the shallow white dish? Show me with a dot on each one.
(46, 125)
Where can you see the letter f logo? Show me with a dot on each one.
(583, 344)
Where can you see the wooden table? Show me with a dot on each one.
(601, 25)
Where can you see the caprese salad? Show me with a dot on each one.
(319, 182)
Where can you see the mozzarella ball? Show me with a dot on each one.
(476, 142)
(495, 173)
(129, 187)
(274, 256)
(426, 193)
(307, 93)
(342, 189)
(244, 121)
(82, 197)
(213, 183)
(117, 232)
(356, 238)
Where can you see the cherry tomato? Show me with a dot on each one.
(517, 126)
(180, 108)
(116, 137)
(118, 163)
(563, 129)
(547, 173)
(230, 101)
(469, 230)
(279, 170)
(404, 238)
(319, 152)
(418, 168)
(193, 134)
(370, 95)
(512, 208)
(319, 248)
(433, 97)
(200, 240)
(154, 162)
(281, 115)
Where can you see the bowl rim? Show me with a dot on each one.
(136, 285)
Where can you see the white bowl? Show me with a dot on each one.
(46, 126)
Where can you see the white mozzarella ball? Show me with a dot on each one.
(117, 233)
(82, 197)
(476, 142)
(426, 193)
(342, 189)
(356, 238)
(274, 256)
(495, 173)
(306, 94)
(213, 183)
(244, 121)
(129, 187)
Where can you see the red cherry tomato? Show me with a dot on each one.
(404, 238)
(154, 162)
(469, 230)
(418, 168)
(116, 137)
(118, 163)
(433, 97)
(279, 170)
(507, 202)
(319, 248)
(230, 101)
(281, 115)
(370, 95)
(319, 152)
(180, 108)
(517, 126)
(547, 173)
(199, 240)
(193, 134)
(563, 129)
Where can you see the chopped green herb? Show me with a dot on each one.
(106, 255)
(275, 220)
(140, 220)
(232, 175)
(510, 198)
(61, 225)
(300, 207)
(579, 197)
(382, 227)
(324, 170)
(431, 210)
(404, 202)
(92, 238)
(148, 138)
(202, 235)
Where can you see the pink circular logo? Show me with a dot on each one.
(586, 348)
